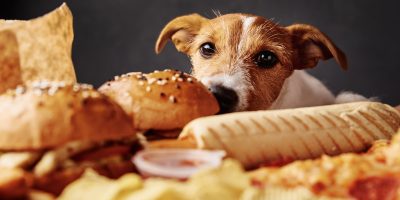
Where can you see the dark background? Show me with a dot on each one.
(117, 36)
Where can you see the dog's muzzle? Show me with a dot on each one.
(227, 98)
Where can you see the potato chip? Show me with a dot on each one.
(94, 186)
(37, 49)
(226, 182)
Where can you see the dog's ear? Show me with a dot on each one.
(311, 45)
(181, 31)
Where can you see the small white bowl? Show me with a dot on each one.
(176, 163)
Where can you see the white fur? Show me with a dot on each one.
(246, 24)
(237, 82)
(346, 97)
(303, 90)
(299, 90)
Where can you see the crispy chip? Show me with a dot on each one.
(36, 49)
(94, 186)
(226, 182)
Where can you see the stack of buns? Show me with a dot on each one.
(53, 131)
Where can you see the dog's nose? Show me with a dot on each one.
(227, 98)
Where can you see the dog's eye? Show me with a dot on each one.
(207, 49)
(265, 59)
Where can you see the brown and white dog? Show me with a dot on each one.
(252, 63)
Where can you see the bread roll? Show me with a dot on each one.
(49, 114)
(162, 100)
(265, 136)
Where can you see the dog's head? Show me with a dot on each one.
(245, 59)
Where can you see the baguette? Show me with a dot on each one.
(267, 136)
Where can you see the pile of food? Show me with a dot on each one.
(371, 175)
(156, 135)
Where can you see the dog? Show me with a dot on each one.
(251, 63)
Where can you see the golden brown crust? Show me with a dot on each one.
(49, 114)
(55, 182)
(161, 100)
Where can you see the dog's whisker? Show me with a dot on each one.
(216, 12)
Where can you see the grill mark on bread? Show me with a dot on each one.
(384, 117)
(293, 128)
(359, 137)
(374, 121)
(258, 125)
(245, 131)
(306, 127)
(315, 121)
(320, 144)
(361, 125)
(294, 152)
(394, 114)
(230, 131)
(330, 121)
(306, 146)
(337, 146)
(219, 139)
(276, 127)
(242, 126)
(287, 123)
(337, 117)
(300, 138)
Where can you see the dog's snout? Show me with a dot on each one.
(226, 97)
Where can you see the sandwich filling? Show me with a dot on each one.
(72, 154)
